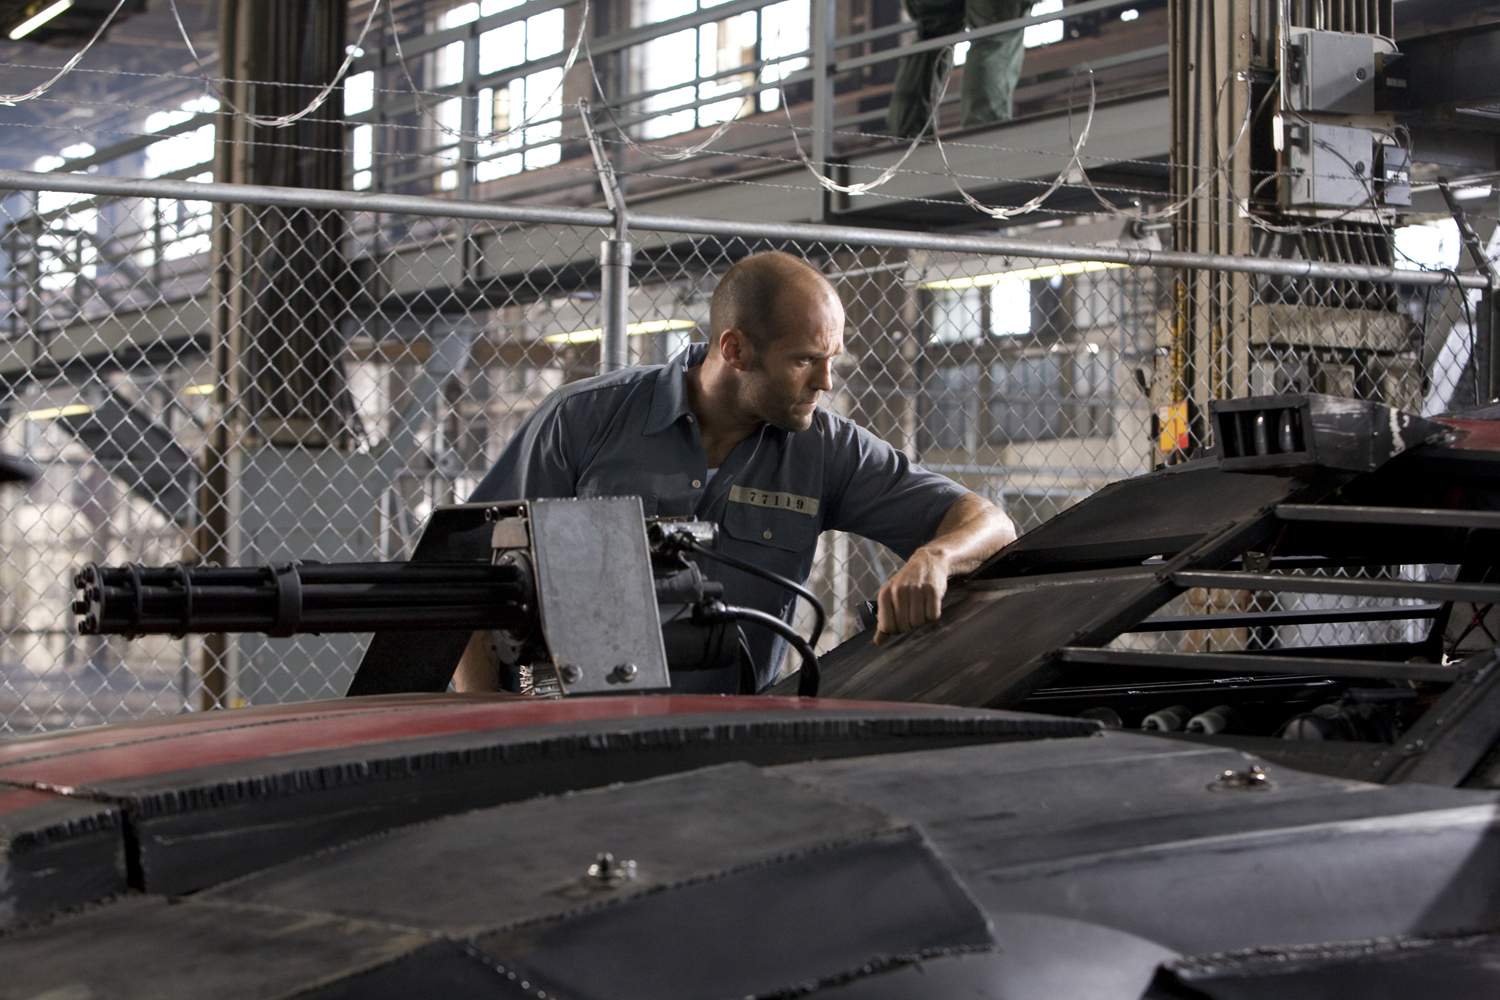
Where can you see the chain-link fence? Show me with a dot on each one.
(243, 383)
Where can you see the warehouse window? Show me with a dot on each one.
(682, 73)
(361, 156)
(535, 97)
(67, 247)
(1035, 395)
(1010, 307)
(186, 148)
(359, 92)
(184, 225)
(995, 380)
(1048, 31)
(359, 97)
(956, 315)
(999, 306)
(1059, 393)
(449, 68)
(1034, 35)
(1093, 396)
(786, 28)
(1025, 401)
(952, 417)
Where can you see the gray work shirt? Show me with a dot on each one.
(630, 432)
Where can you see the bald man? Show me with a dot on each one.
(731, 432)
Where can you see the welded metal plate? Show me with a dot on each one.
(595, 595)
(154, 949)
(990, 646)
(1127, 831)
(802, 921)
(535, 855)
(214, 796)
(56, 851)
(745, 883)
(1158, 514)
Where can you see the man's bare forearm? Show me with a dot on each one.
(973, 530)
(970, 532)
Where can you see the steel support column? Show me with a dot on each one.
(1207, 347)
(276, 348)
(614, 295)
(823, 32)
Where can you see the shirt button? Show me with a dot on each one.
(766, 535)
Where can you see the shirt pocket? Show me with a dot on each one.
(770, 531)
(777, 541)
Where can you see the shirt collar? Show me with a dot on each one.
(669, 402)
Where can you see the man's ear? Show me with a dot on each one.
(735, 348)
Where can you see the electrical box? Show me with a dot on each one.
(1331, 167)
(1332, 71)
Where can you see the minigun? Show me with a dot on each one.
(578, 596)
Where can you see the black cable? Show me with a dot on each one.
(1463, 297)
(820, 614)
(809, 677)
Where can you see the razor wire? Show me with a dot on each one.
(386, 357)
(666, 153)
(1072, 175)
(68, 66)
(669, 151)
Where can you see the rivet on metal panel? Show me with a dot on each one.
(624, 673)
(609, 872)
(570, 673)
(1253, 779)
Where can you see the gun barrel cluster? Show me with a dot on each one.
(291, 598)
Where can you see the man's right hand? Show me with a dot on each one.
(913, 596)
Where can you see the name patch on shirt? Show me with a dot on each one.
(776, 501)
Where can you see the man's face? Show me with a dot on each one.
(783, 382)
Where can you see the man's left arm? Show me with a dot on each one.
(941, 528)
(972, 530)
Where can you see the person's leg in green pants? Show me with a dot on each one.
(911, 96)
(994, 63)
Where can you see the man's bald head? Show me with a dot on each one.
(777, 326)
(764, 294)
